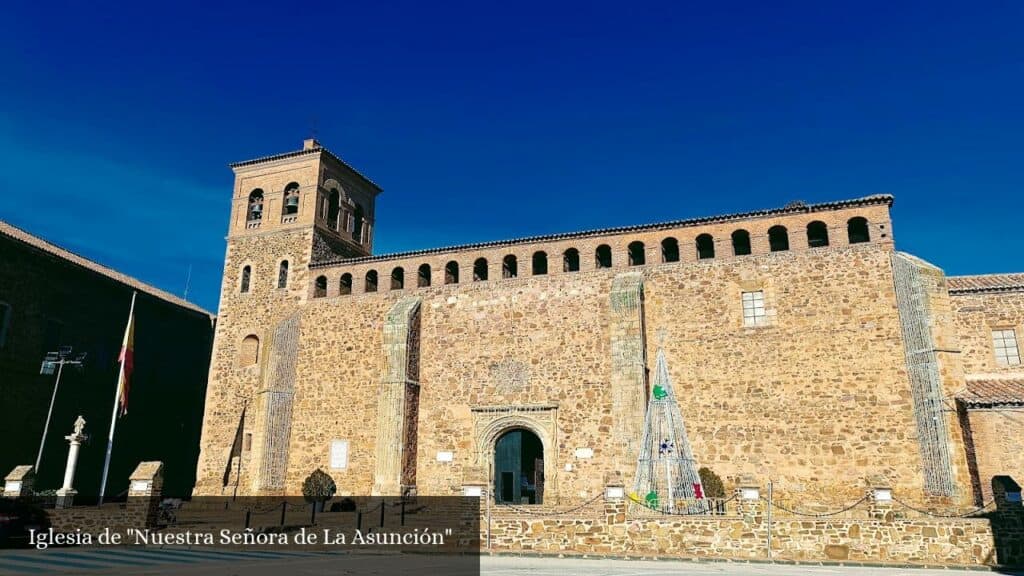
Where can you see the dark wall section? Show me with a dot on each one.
(54, 302)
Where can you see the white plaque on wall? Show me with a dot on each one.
(584, 452)
(339, 454)
(445, 456)
(140, 485)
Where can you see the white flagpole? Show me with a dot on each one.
(117, 398)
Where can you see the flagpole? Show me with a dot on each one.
(113, 412)
(238, 474)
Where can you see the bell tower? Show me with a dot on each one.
(309, 188)
(288, 211)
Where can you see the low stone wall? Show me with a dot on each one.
(92, 519)
(946, 542)
(984, 541)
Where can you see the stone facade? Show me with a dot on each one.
(991, 401)
(417, 375)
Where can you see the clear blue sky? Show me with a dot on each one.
(485, 121)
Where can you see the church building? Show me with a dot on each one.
(795, 345)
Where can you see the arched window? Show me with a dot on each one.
(705, 247)
(778, 239)
(397, 278)
(255, 211)
(5, 322)
(480, 270)
(282, 274)
(345, 284)
(636, 254)
(423, 276)
(740, 243)
(540, 263)
(249, 351)
(509, 267)
(291, 200)
(371, 281)
(670, 250)
(320, 289)
(817, 234)
(246, 279)
(451, 272)
(603, 256)
(571, 260)
(333, 209)
(357, 224)
(857, 230)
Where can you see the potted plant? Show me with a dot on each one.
(318, 488)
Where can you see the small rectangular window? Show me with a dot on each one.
(753, 309)
(1005, 344)
(339, 454)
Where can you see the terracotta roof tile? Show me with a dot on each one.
(985, 283)
(989, 392)
(40, 244)
(304, 152)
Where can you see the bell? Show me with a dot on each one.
(292, 202)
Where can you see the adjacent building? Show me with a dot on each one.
(52, 298)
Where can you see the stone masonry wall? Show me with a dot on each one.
(976, 315)
(817, 401)
(965, 542)
(996, 434)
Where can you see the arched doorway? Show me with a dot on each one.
(518, 468)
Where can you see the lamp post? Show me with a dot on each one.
(51, 362)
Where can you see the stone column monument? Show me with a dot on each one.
(66, 494)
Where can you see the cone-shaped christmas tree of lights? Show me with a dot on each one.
(666, 473)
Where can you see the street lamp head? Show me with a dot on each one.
(65, 352)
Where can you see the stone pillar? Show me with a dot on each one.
(880, 499)
(19, 482)
(615, 504)
(748, 498)
(145, 488)
(66, 494)
(395, 432)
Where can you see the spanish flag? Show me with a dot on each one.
(126, 358)
(120, 407)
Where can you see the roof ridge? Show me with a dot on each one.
(790, 208)
(305, 151)
(16, 233)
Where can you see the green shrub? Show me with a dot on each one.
(318, 487)
(713, 487)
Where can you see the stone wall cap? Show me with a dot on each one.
(21, 473)
(147, 470)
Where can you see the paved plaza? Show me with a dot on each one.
(195, 562)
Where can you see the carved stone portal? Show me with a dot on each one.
(490, 422)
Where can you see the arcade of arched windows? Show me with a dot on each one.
(652, 248)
